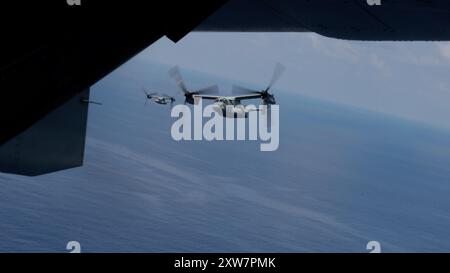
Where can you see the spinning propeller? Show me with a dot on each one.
(266, 97)
(189, 95)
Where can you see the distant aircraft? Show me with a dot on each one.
(160, 99)
(241, 93)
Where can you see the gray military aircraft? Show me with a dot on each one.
(159, 99)
(242, 93)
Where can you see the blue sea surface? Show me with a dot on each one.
(341, 177)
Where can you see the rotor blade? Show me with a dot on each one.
(174, 72)
(148, 94)
(239, 90)
(277, 72)
(214, 89)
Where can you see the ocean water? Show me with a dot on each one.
(341, 177)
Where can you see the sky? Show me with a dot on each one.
(405, 79)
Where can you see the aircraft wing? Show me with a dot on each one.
(52, 52)
(208, 97)
(246, 97)
(375, 20)
(238, 98)
(231, 98)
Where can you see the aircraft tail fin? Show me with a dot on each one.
(54, 143)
